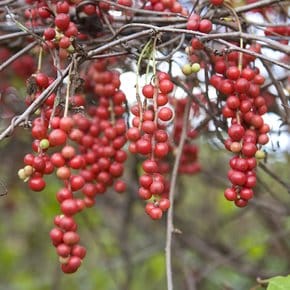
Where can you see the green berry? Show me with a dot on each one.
(260, 155)
(195, 67)
(44, 144)
(70, 49)
(186, 69)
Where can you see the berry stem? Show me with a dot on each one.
(40, 54)
(240, 63)
(141, 56)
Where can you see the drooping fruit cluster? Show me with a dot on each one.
(87, 156)
(149, 138)
(247, 131)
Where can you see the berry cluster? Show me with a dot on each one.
(87, 156)
(166, 6)
(149, 138)
(247, 132)
(195, 23)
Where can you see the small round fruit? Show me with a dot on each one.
(195, 67)
(36, 183)
(186, 69)
(57, 137)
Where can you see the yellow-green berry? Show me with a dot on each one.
(186, 69)
(195, 67)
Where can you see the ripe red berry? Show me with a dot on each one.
(56, 236)
(164, 204)
(205, 26)
(120, 186)
(165, 114)
(69, 207)
(166, 86)
(41, 80)
(57, 137)
(76, 182)
(63, 250)
(62, 21)
(148, 91)
(155, 213)
(71, 238)
(230, 194)
(249, 149)
(79, 251)
(236, 132)
(72, 265)
(36, 183)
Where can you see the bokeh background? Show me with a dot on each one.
(218, 246)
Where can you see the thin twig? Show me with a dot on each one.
(170, 227)
(275, 176)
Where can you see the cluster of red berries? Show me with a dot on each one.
(195, 23)
(166, 5)
(247, 132)
(87, 157)
(149, 138)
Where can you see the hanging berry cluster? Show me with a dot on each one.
(87, 158)
(244, 107)
(148, 137)
(79, 132)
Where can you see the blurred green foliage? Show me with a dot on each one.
(220, 246)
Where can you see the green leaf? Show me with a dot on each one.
(279, 283)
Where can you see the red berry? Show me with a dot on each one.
(155, 213)
(62, 7)
(249, 149)
(62, 21)
(205, 26)
(236, 132)
(76, 182)
(56, 236)
(78, 251)
(71, 238)
(72, 265)
(63, 250)
(57, 137)
(41, 80)
(241, 202)
(36, 183)
(148, 91)
(164, 204)
(166, 86)
(69, 207)
(230, 194)
(246, 193)
(120, 186)
(165, 114)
